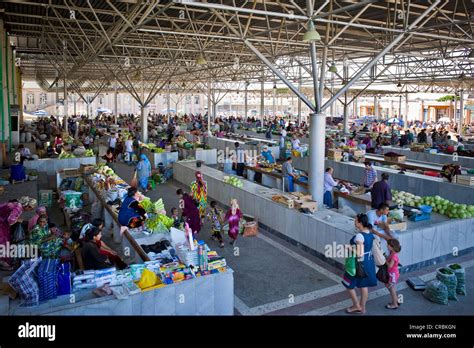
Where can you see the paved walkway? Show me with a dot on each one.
(274, 277)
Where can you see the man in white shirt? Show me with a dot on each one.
(129, 149)
(379, 220)
(329, 184)
(282, 144)
(112, 142)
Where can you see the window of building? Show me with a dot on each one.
(43, 98)
(30, 99)
(101, 99)
(187, 99)
(196, 99)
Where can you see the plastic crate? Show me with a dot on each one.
(420, 217)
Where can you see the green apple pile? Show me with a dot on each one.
(106, 170)
(448, 208)
(234, 181)
(66, 155)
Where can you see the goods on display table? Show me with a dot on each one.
(153, 148)
(394, 157)
(296, 200)
(438, 204)
(234, 181)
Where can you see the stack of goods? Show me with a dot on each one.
(92, 279)
(65, 155)
(460, 273)
(436, 292)
(160, 250)
(303, 201)
(418, 147)
(467, 180)
(187, 256)
(357, 155)
(335, 154)
(72, 193)
(450, 171)
(24, 283)
(234, 181)
(286, 200)
(47, 279)
(394, 157)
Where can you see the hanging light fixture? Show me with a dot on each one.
(200, 60)
(274, 85)
(471, 54)
(333, 68)
(399, 85)
(311, 34)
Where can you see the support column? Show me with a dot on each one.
(274, 100)
(57, 97)
(346, 115)
(300, 85)
(455, 110)
(405, 117)
(208, 108)
(356, 108)
(400, 106)
(262, 100)
(19, 93)
(168, 104)
(8, 113)
(317, 128)
(3, 91)
(376, 107)
(144, 116)
(115, 104)
(461, 111)
(75, 100)
(246, 102)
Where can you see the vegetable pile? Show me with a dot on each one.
(233, 180)
(152, 208)
(159, 223)
(89, 153)
(440, 205)
(66, 155)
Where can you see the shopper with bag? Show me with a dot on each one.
(393, 273)
(143, 171)
(364, 275)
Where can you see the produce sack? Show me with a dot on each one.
(460, 273)
(436, 292)
(23, 281)
(147, 279)
(377, 252)
(448, 278)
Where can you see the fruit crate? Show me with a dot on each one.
(467, 180)
(395, 158)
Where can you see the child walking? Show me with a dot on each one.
(215, 217)
(177, 220)
(393, 273)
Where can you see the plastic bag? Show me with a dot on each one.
(350, 265)
(449, 279)
(460, 273)
(147, 279)
(436, 292)
(64, 278)
(19, 234)
(134, 182)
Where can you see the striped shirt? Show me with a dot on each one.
(370, 177)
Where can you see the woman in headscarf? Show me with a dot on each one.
(190, 211)
(143, 172)
(10, 214)
(199, 193)
(48, 243)
(233, 216)
(40, 211)
(131, 213)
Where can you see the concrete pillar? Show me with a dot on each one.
(262, 100)
(246, 100)
(317, 128)
(144, 122)
(400, 106)
(115, 104)
(208, 109)
(405, 117)
(274, 101)
(300, 84)
(461, 111)
(346, 115)
(75, 100)
(356, 107)
(376, 106)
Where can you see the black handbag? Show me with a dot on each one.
(382, 274)
(360, 271)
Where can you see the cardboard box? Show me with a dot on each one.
(334, 153)
(300, 196)
(311, 205)
(395, 158)
(467, 180)
(399, 226)
(86, 169)
(45, 198)
(70, 172)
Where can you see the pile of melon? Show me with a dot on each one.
(440, 205)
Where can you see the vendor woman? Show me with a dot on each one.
(131, 213)
(267, 155)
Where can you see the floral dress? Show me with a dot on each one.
(49, 249)
(199, 193)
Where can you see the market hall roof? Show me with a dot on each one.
(155, 43)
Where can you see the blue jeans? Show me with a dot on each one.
(327, 199)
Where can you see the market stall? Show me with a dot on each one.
(424, 243)
(52, 165)
(161, 156)
(440, 158)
